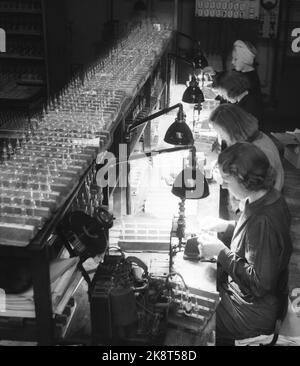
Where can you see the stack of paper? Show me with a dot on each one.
(62, 276)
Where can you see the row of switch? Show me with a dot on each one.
(224, 5)
(226, 14)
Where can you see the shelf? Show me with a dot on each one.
(23, 33)
(29, 82)
(26, 308)
(25, 62)
(38, 248)
(15, 92)
(24, 329)
(21, 11)
(20, 57)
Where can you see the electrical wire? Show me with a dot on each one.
(176, 274)
(145, 309)
(117, 249)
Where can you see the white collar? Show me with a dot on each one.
(241, 96)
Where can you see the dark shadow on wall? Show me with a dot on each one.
(285, 114)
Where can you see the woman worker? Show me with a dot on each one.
(234, 87)
(243, 61)
(255, 292)
(243, 57)
(233, 124)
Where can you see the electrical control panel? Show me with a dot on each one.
(264, 11)
(243, 9)
(269, 15)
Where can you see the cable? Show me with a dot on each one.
(176, 274)
(144, 308)
(117, 249)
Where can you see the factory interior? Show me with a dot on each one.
(113, 158)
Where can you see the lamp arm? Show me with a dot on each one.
(187, 36)
(187, 61)
(196, 41)
(163, 151)
(152, 116)
(195, 59)
(156, 152)
(193, 150)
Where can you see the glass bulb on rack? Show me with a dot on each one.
(23, 209)
(48, 188)
(196, 306)
(64, 164)
(49, 177)
(32, 202)
(5, 155)
(55, 169)
(40, 191)
(83, 202)
(92, 208)
(10, 149)
(2, 204)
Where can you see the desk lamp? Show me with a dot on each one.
(178, 133)
(194, 95)
(190, 183)
(197, 56)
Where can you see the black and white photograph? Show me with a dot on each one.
(149, 176)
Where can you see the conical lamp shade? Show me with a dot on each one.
(193, 94)
(179, 133)
(190, 184)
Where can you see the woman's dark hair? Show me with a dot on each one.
(249, 165)
(233, 82)
(238, 124)
(217, 79)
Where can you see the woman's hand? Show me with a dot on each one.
(210, 223)
(217, 175)
(208, 248)
(212, 249)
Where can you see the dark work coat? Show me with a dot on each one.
(257, 265)
(254, 81)
(252, 105)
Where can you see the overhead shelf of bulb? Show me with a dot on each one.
(42, 168)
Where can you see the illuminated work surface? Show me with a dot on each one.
(147, 235)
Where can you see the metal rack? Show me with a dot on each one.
(38, 248)
(24, 64)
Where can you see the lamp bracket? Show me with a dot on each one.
(187, 61)
(153, 116)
